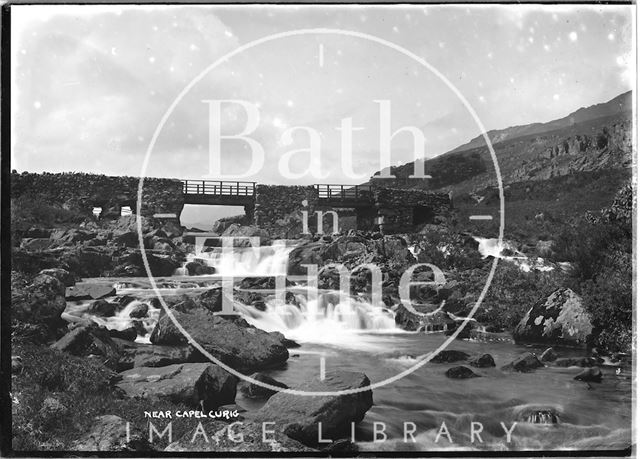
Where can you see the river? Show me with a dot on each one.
(357, 336)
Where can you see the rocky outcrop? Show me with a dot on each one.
(299, 417)
(40, 302)
(561, 319)
(352, 250)
(202, 385)
(230, 339)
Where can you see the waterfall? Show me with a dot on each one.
(326, 319)
(244, 261)
(489, 247)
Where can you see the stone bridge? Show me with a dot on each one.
(363, 206)
(278, 209)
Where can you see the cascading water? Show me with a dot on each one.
(327, 319)
(489, 247)
(244, 261)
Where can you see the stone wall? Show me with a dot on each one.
(402, 208)
(278, 209)
(81, 192)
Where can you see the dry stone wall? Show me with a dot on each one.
(81, 192)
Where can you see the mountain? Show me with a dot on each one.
(551, 172)
(620, 104)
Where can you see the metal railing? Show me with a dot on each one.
(344, 192)
(218, 188)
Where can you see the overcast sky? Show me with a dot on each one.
(91, 83)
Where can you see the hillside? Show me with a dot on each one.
(617, 105)
(558, 170)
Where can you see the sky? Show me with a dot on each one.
(90, 84)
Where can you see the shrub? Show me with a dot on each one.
(600, 252)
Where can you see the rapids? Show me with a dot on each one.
(353, 334)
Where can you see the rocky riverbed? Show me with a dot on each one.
(81, 300)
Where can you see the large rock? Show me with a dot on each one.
(40, 303)
(149, 355)
(561, 319)
(234, 438)
(449, 355)
(549, 355)
(132, 265)
(483, 361)
(109, 433)
(524, 363)
(229, 339)
(203, 385)
(253, 390)
(299, 416)
(90, 291)
(89, 340)
(460, 372)
(62, 275)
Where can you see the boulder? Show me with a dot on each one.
(262, 283)
(62, 275)
(578, 362)
(482, 361)
(89, 340)
(139, 311)
(128, 334)
(560, 319)
(109, 433)
(549, 355)
(102, 308)
(449, 355)
(148, 355)
(230, 339)
(253, 390)
(238, 437)
(589, 375)
(524, 363)
(132, 265)
(127, 238)
(202, 385)
(299, 416)
(211, 300)
(40, 303)
(90, 291)
(460, 372)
